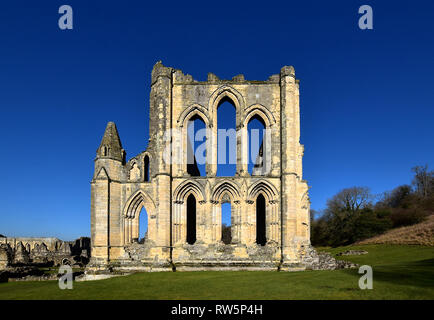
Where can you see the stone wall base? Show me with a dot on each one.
(217, 257)
(226, 266)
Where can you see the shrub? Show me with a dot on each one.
(407, 216)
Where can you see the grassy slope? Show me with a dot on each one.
(421, 233)
(400, 272)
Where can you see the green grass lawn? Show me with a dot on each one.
(399, 272)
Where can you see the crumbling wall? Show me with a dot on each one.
(5, 256)
(30, 251)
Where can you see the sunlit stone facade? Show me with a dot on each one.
(187, 234)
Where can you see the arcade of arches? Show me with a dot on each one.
(269, 204)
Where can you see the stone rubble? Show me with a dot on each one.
(352, 253)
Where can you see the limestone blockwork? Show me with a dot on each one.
(270, 207)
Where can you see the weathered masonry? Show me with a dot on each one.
(270, 207)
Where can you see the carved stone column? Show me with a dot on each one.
(177, 222)
(212, 167)
(242, 150)
(201, 226)
(250, 222)
(236, 222)
(216, 228)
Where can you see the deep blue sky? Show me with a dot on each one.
(366, 96)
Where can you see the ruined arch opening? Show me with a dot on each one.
(226, 210)
(146, 168)
(191, 219)
(260, 221)
(136, 218)
(143, 226)
(226, 138)
(196, 146)
(255, 147)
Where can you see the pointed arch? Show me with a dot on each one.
(131, 213)
(267, 225)
(261, 220)
(262, 186)
(229, 93)
(186, 188)
(228, 187)
(226, 191)
(186, 212)
(261, 161)
(260, 111)
(143, 226)
(135, 203)
(191, 218)
(220, 95)
(191, 111)
(195, 136)
(147, 170)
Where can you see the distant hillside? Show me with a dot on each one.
(421, 233)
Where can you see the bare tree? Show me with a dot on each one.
(350, 200)
(423, 180)
(396, 197)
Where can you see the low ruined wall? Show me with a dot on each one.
(30, 242)
(28, 251)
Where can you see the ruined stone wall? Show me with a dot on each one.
(121, 188)
(30, 242)
(28, 250)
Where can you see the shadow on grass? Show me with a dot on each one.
(417, 273)
(422, 263)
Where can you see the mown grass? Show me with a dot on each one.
(399, 272)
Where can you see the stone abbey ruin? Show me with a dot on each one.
(270, 223)
(22, 257)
